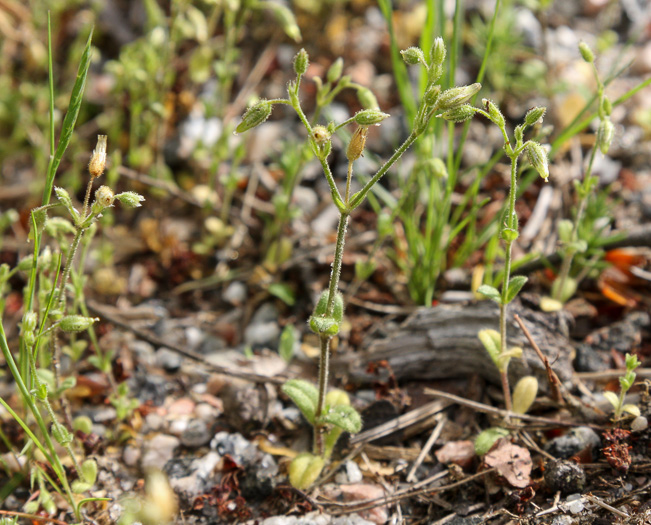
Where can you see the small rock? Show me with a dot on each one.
(574, 504)
(104, 415)
(131, 455)
(159, 451)
(564, 476)
(178, 426)
(168, 360)
(363, 491)
(259, 479)
(577, 440)
(563, 520)
(235, 293)
(190, 478)
(196, 434)
(182, 407)
(154, 421)
(152, 388)
(639, 424)
(263, 330)
(353, 472)
(206, 412)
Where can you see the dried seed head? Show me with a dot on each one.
(104, 196)
(357, 144)
(98, 158)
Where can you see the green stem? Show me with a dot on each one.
(324, 368)
(52, 456)
(508, 224)
(69, 261)
(360, 195)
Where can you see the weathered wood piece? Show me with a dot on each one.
(441, 342)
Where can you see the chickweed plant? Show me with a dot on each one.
(47, 315)
(495, 342)
(625, 384)
(565, 286)
(330, 413)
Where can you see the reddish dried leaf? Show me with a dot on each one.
(511, 462)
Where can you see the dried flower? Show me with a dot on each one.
(98, 158)
(104, 197)
(357, 143)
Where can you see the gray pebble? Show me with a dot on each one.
(196, 434)
(131, 455)
(564, 476)
(168, 360)
(574, 441)
(159, 451)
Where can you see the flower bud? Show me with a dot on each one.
(606, 106)
(63, 196)
(104, 197)
(586, 52)
(431, 95)
(437, 54)
(98, 158)
(439, 170)
(254, 116)
(534, 115)
(77, 323)
(335, 70)
(301, 61)
(30, 319)
(494, 113)
(370, 117)
(459, 114)
(61, 434)
(413, 55)
(524, 394)
(367, 98)
(357, 143)
(130, 199)
(605, 135)
(538, 158)
(454, 97)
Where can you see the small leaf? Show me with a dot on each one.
(492, 341)
(283, 292)
(613, 398)
(337, 397)
(632, 409)
(89, 471)
(304, 470)
(304, 395)
(79, 487)
(515, 285)
(490, 291)
(287, 343)
(344, 417)
(486, 439)
(547, 304)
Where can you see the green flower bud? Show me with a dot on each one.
(452, 98)
(538, 158)
(367, 98)
(77, 323)
(458, 114)
(413, 55)
(304, 470)
(25, 264)
(605, 135)
(30, 320)
(606, 106)
(335, 70)
(130, 199)
(494, 113)
(534, 115)
(254, 116)
(437, 54)
(63, 196)
(438, 167)
(524, 394)
(369, 117)
(586, 52)
(301, 61)
(518, 133)
(286, 18)
(61, 434)
(431, 95)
